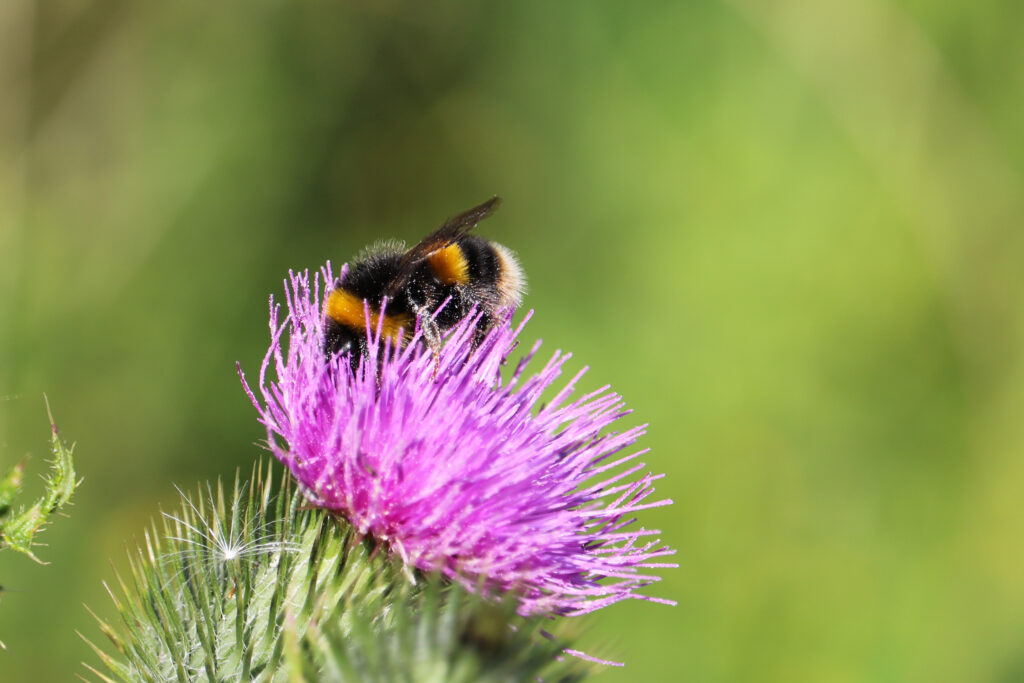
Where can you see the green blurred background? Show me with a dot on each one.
(788, 232)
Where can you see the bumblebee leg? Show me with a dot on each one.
(483, 326)
(431, 335)
(428, 326)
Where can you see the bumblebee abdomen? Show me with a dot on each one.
(510, 281)
(489, 269)
(482, 259)
(469, 272)
(449, 267)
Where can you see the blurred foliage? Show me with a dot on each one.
(789, 233)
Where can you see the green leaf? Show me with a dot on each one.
(18, 530)
(10, 485)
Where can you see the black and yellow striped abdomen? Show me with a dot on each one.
(456, 275)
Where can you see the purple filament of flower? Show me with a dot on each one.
(458, 470)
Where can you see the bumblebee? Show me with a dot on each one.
(449, 266)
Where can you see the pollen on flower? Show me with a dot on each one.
(458, 470)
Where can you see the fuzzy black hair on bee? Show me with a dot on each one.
(449, 266)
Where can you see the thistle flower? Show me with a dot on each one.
(457, 470)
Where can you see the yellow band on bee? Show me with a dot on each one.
(347, 309)
(449, 265)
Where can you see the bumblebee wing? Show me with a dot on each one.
(451, 230)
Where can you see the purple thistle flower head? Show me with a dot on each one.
(457, 470)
